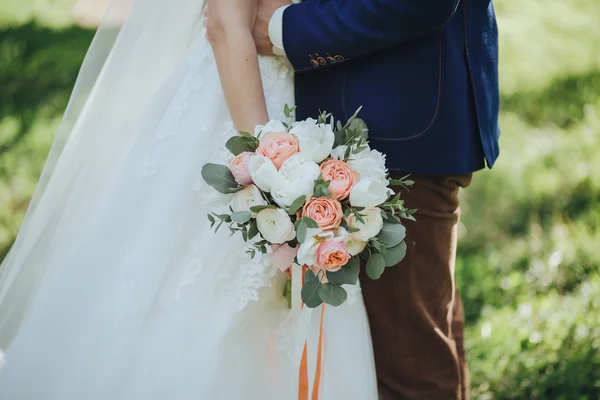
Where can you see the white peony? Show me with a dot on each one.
(354, 245)
(368, 193)
(275, 225)
(263, 172)
(296, 178)
(316, 140)
(271, 126)
(370, 164)
(307, 253)
(371, 225)
(249, 196)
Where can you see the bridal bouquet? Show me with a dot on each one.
(313, 193)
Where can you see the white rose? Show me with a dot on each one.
(354, 245)
(316, 140)
(368, 193)
(249, 196)
(296, 178)
(370, 164)
(307, 252)
(275, 225)
(371, 225)
(263, 172)
(271, 126)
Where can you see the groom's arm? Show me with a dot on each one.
(321, 32)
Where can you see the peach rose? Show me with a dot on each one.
(239, 168)
(332, 255)
(341, 177)
(327, 213)
(278, 147)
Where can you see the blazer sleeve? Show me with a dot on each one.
(318, 33)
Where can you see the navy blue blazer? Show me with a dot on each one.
(425, 72)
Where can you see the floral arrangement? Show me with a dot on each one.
(313, 193)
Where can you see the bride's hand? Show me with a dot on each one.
(266, 8)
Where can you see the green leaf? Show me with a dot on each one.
(339, 138)
(220, 178)
(241, 217)
(375, 266)
(392, 234)
(310, 290)
(348, 152)
(253, 230)
(353, 117)
(360, 127)
(395, 254)
(348, 275)
(224, 217)
(257, 209)
(240, 144)
(297, 204)
(301, 231)
(310, 223)
(332, 294)
(246, 135)
(352, 229)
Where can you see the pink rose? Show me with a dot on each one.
(278, 147)
(327, 213)
(239, 168)
(341, 177)
(332, 255)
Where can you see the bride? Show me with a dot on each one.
(116, 287)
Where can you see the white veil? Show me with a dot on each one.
(139, 41)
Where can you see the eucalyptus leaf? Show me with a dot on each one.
(241, 217)
(375, 266)
(353, 117)
(310, 290)
(395, 254)
(253, 230)
(301, 231)
(358, 125)
(240, 144)
(339, 138)
(220, 178)
(348, 275)
(257, 209)
(392, 234)
(297, 204)
(332, 294)
(310, 223)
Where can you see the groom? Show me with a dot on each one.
(426, 74)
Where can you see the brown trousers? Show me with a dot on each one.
(414, 309)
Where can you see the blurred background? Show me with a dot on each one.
(529, 254)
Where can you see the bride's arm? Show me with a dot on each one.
(229, 30)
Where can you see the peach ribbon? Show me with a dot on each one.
(303, 382)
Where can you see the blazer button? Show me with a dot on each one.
(339, 58)
(321, 61)
(314, 63)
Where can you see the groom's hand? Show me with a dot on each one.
(266, 8)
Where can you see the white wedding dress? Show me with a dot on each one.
(143, 301)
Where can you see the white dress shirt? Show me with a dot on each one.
(276, 30)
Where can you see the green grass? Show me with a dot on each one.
(529, 256)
